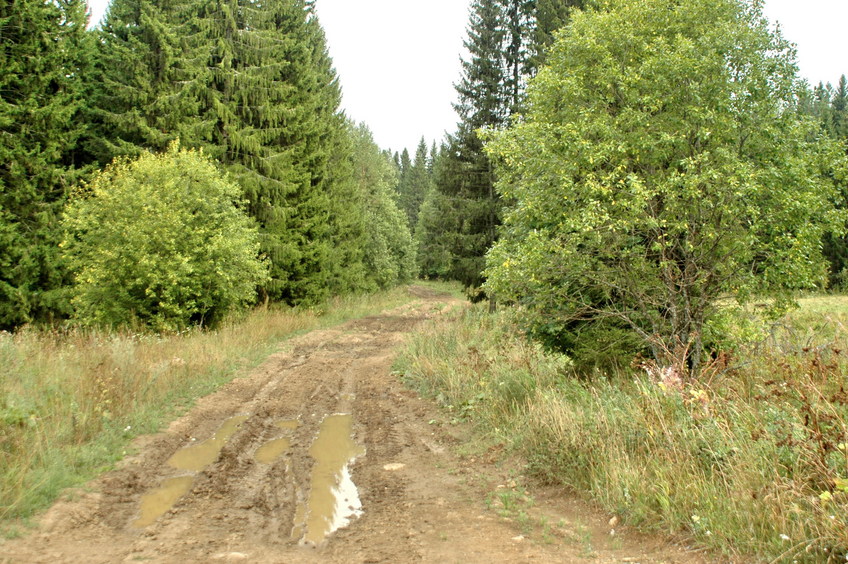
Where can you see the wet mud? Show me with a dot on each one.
(320, 455)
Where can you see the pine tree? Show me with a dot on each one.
(490, 91)
(839, 110)
(42, 51)
(139, 96)
(415, 183)
(550, 16)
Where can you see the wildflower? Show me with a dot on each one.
(784, 537)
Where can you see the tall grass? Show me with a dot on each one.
(751, 459)
(71, 401)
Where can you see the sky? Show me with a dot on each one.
(398, 60)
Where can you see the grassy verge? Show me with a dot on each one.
(750, 460)
(70, 402)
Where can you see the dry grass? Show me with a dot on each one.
(751, 460)
(70, 402)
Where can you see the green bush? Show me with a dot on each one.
(160, 242)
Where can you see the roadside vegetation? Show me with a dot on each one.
(747, 459)
(71, 401)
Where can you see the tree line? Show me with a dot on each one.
(612, 172)
(247, 86)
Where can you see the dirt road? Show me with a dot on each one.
(322, 435)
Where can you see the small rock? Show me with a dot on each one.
(394, 467)
(613, 522)
(230, 556)
(519, 538)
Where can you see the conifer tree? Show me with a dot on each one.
(271, 101)
(490, 91)
(253, 85)
(415, 183)
(551, 15)
(42, 51)
(839, 110)
(139, 98)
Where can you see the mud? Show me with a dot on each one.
(255, 446)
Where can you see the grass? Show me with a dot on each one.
(750, 460)
(70, 402)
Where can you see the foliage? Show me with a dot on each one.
(160, 242)
(661, 164)
(140, 96)
(414, 183)
(829, 106)
(389, 251)
(43, 49)
(465, 210)
(750, 460)
(253, 85)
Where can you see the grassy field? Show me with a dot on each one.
(70, 402)
(750, 460)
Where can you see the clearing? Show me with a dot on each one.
(320, 435)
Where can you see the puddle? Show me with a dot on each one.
(160, 500)
(272, 450)
(198, 457)
(333, 499)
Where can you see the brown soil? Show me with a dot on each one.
(421, 500)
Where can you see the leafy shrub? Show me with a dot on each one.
(160, 242)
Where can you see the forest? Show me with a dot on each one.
(640, 193)
(250, 90)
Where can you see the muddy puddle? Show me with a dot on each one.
(197, 457)
(333, 497)
(275, 448)
(163, 498)
(193, 458)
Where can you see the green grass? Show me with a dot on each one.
(70, 402)
(751, 459)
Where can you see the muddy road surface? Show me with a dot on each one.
(322, 455)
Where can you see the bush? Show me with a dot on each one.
(160, 242)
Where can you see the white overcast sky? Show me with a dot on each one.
(398, 59)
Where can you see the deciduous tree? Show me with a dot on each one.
(662, 164)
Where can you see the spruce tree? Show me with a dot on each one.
(139, 96)
(42, 51)
(839, 110)
(415, 182)
(268, 99)
(253, 85)
(551, 15)
(490, 91)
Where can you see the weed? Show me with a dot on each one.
(751, 454)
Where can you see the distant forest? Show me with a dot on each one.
(300, 204)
